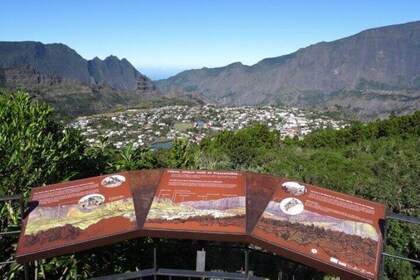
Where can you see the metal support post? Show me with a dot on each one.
(246, 263)
(382, 270)
(154, 263)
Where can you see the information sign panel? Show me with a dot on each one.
(201, 201)
(335, 229)
(76, 212)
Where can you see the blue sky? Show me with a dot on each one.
(162, 37)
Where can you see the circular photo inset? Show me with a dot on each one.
(113, 181)
(291, 206)
(294, 188)
(91, 201)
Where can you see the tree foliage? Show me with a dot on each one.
(242, 148)
(34, 148)
(404, 126)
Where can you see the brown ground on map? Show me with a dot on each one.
(353, 249)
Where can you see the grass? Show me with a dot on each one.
(182, 127)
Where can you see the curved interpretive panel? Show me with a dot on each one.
(75, 213)
(330, 231)
(199, 201)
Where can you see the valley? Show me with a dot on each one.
(158, 127)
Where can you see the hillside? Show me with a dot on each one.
(61, 60)
(59, 76)
(73, 98)
(373, 73)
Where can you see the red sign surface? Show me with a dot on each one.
(196, 200)
(333, 228)
(77, 212)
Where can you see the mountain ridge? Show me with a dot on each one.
(372, 72)
(58, 58)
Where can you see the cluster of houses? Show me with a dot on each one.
(160, 126)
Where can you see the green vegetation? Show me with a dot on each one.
(183, 126)
(378, 161)
(34, 148)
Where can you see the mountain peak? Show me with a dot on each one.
(111, 57)
(60, 59)
(235, 64)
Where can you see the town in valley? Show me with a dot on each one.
(159, 127)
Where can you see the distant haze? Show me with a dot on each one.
(159, 73)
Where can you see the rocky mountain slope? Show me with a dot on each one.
(68, 96)
(61, 60)
(372, 73)
(72, 98)
(59, 76)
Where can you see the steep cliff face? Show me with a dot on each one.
(68, 96)
(26, 75)
(71, 97)
(46, 59)
(61, 60)
(379, 67)
(145, 85)
(118, 73)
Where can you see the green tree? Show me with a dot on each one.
(130, 158)
(244, 148)
(34, 148)
(181, 155)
